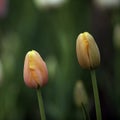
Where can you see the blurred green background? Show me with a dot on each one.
(51, 27)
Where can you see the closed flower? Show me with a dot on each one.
(87, 51)
(80, 95)
(35, 70)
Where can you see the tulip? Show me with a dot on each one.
(81, 99)
(87, 51)
(35, 70)
(44, 4)
(80, 95)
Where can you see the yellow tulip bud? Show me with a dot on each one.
(87, 51)
(35, 70)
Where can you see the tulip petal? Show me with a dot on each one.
(35, 70)
(87, 51)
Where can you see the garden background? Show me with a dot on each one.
(52, 30)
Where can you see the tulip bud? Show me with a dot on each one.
(35, 70)
(80, 95)
(87, 51)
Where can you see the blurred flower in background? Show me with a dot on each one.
(107, 3)
(117, 36)
(3, 8)
(80, 95)
(49, 3)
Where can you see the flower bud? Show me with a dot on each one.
(35, 70)
(87, 51)
(80, 95)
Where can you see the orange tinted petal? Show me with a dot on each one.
(87, 51)
(35, 70)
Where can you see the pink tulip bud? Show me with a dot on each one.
(35, 70)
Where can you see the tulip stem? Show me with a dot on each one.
(86, 112)
(41, 106)
(96, 95)
(83, 111)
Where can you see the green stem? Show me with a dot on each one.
(83, 111)
(96, 95)
(41, 106)
(86, 112)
